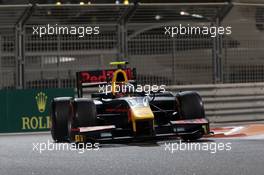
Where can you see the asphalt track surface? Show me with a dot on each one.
(17, 157)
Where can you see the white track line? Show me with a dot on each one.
(234, 130)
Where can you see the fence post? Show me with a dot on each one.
(122, 41)
(217, 55)
(20, 57)
(122, 31)
(1, 69)
(59, 61)
(173, 62)
(218, 45)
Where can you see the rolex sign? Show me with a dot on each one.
(28, 110)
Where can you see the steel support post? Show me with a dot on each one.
(122, 31)
(217, 56)
(20, 46)
(122, 42)
(173, 62)
(20, 57)
(1, 69)
(58, 61)
(218, 45)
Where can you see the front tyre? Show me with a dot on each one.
(192, 137)
(191, 107)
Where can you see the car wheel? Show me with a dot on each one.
(85, 112)
(61, 114)
(192, 137)
(190, 105)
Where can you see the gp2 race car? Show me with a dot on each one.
(125, 115)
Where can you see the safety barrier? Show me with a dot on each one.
(226, 102)
(28, 110)
(230, 102)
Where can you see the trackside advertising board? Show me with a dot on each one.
(28, 110)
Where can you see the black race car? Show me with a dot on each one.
(120, 113)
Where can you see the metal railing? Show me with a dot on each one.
(235, 102)
(230, 102)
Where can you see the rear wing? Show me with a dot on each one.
(94, 78)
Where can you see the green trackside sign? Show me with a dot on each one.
(28, 110)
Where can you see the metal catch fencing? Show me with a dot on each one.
(136, 33)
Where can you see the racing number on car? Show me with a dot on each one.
(79, 138)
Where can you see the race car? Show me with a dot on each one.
(121, 113)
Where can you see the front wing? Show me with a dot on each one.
(111, 133)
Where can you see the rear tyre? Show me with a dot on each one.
(191, 107)
(85, 112)
(61, 114)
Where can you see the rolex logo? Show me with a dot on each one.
(41, 100)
